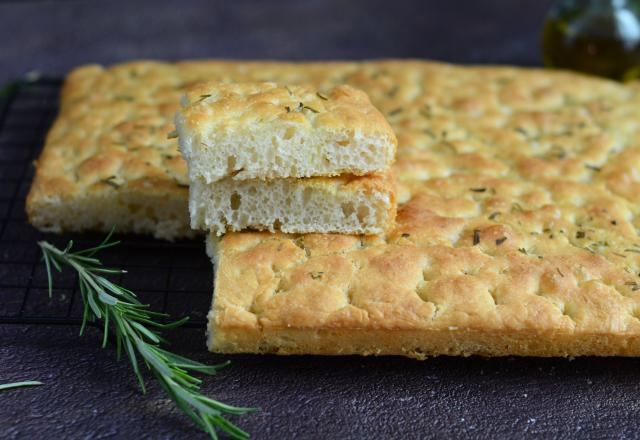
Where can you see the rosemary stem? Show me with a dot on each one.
(25, 383)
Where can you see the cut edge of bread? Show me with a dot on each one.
(282, 150)
(293, 206)
(164, 216)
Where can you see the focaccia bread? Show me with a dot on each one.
(265, 131)
(517, 227)
(344, 204)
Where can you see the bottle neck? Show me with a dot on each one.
(595, 4)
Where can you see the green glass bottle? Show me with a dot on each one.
(600, 37)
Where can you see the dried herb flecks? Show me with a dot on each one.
(114, 181)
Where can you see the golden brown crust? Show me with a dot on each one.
(420, 344)
(227, 106)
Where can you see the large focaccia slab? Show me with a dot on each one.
(420, 294)
(519, 196)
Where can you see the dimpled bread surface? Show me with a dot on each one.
(518, 202)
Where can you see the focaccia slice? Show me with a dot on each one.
(344, 204)
(265, 131)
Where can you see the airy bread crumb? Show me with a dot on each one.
(345, 204)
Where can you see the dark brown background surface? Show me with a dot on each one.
(87, 394)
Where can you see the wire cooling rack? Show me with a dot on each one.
(175, 278)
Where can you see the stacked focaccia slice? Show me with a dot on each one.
(290, 158)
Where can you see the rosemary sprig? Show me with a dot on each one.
(135, 331)
(26, 383)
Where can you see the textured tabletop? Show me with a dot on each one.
(88, 394)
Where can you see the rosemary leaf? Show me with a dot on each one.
(500, 240)
(593, 167)
(23, 384)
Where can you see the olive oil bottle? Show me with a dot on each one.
(600, 37)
